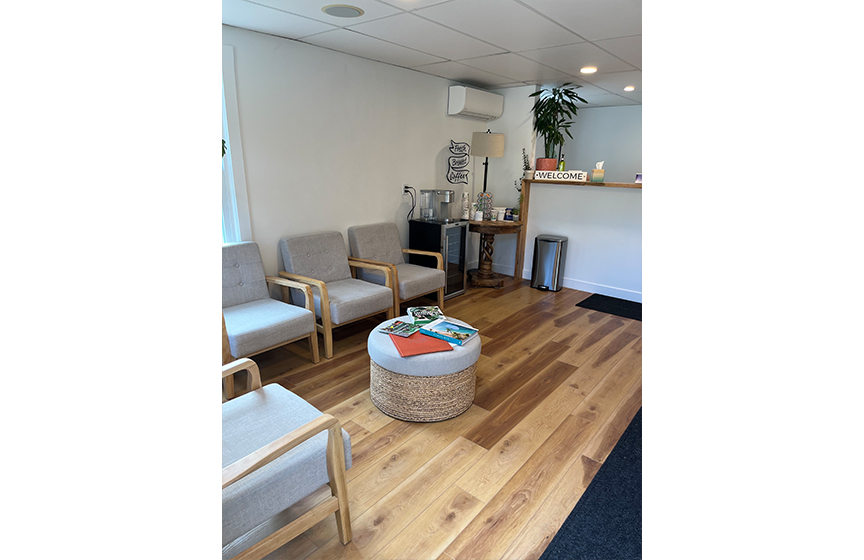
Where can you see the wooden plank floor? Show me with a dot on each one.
(556, 387)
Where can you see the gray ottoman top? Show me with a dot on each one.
(383, 352)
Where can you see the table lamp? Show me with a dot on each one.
(487, 144)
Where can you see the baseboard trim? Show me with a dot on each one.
(572, 283)
(593, 288)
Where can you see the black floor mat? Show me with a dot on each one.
(613, 306)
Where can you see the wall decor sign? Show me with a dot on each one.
(560, 175)
(457, 171)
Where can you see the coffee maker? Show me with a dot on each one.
(435, 205)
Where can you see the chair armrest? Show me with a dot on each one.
(285, 283)
(302, 279)
(272, 451)
(386, 268)
(355, 261)
(254, 379)
(437, 256)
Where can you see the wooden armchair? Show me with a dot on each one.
(320, 261)
(266, 470)
(253, 322)
(379, 244)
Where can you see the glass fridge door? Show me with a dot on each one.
(453, 251)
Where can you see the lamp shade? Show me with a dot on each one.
(487, 144)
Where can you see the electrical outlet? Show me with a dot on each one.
(404, 189)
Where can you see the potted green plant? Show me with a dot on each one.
(526, 165)
(553, 110)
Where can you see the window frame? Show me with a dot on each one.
(235, 144)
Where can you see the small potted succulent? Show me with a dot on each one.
(526, 166)
(518, 209)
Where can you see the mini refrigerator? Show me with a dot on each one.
(450, 239)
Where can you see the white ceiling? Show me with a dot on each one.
(482, 43)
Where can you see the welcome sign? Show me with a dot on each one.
(560, 175)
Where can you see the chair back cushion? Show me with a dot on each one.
(320, 256)
(242, 274)
(378, 242)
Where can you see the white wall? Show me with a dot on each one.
(603, 225)
(609, 134)
(328, 138)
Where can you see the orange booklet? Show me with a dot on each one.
(419, 344)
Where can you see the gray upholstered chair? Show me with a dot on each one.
(320, 260)
(253, 322)
(380, 244)
(275, 454)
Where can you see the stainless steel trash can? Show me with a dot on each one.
(550, 252)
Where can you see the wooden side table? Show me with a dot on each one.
(483, 276)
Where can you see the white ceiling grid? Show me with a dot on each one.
(482, 43)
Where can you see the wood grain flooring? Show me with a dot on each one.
(556, 387)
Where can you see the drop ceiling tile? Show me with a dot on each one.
(582, 89)
(503, 23)
(571, 58)
(607, 100)
(247, 15)
(350, 42)
(517, 68)
(515, 84)
(594, 20)
(464, 74)
(409, 5)
(423, 35)
(616, 82)
(629, 49)
(371, 8)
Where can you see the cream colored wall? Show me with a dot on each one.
(329, 139)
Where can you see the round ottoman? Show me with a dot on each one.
(422, 388)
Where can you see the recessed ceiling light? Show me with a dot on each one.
(629, 88)
(342, 10)
(589, 70)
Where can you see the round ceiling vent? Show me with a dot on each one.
(342, 10)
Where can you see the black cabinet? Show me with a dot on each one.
(449, 239)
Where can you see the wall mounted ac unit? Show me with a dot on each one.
(475, 103)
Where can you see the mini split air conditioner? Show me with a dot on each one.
(475, 103)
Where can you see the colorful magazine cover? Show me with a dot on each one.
(425, 315)
(400, 328)
(450, 331)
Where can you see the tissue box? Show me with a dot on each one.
(597, 175)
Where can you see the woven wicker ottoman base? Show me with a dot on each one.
(422, 399)
(422, 388)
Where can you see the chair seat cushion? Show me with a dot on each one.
(414, 280)
(263, 323)
(351, 299)
(250, 422)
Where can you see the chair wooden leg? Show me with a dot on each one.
(313, 346)
(328, 342)
(338, 482)
(441, 299)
